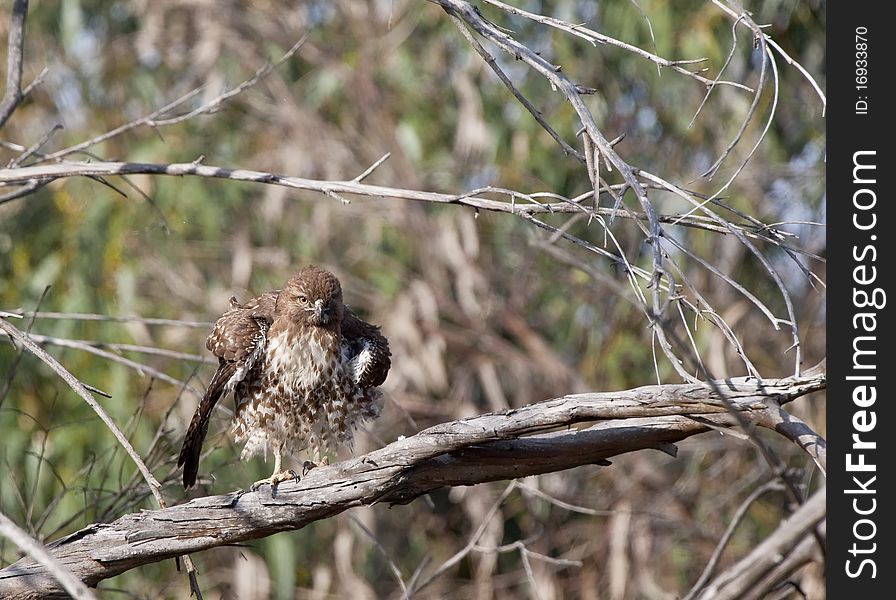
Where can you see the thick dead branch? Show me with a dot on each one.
(516, 443)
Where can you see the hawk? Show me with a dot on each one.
(303, 369)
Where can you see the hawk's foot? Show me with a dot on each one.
(275, 480)
(307, 466)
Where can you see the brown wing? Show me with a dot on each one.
(366, 349)
(238, 340)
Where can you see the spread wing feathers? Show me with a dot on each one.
(365, 349)
(238, 340)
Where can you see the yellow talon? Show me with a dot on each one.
(276, 479)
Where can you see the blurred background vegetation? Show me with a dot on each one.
(480, 318)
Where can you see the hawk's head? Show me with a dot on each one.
(314, 297)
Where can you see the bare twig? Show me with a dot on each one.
(14, 60)
(396, 572)
(35, 147)
(741, 579)
(116, 347)
(765, 130)
(27, 188)
(65, 316)
(598, 38)
(770, 486)
(709, 90)
(142, 369)
(757, 95)
(79, 389)
(11, 372)
(366, 173)
(493, 65)
(572, 92)
(471, 543)
(802, 70)
(584, 510)
(738, 12)
(791, 322)
(157, 118)
(520, 545)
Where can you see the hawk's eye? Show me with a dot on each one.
(303, 299)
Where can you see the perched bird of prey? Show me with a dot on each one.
(303, 369)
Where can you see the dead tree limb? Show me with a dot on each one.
(534, 439)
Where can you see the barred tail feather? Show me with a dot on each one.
(192, 447)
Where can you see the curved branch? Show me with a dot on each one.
(515, 443)
(798, 432)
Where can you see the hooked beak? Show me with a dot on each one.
(321, 312)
